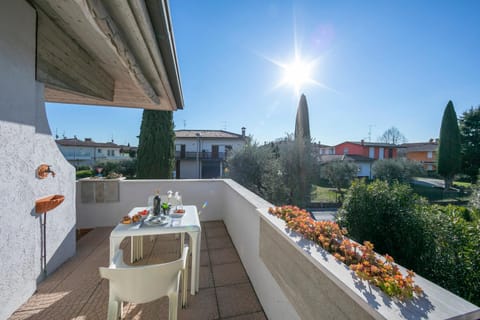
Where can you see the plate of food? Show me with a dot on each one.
(178, 213)
(133, 219)
(157, 221)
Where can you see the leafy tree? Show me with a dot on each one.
(258, 169)
(339, 173)
(156, 150)
(475, 198)
(470, 136)
(392, 135)
(400, 170)
(449, 146)
(296, 161)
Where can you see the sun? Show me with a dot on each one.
(298, 74)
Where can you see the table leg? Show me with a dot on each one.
(194, 282)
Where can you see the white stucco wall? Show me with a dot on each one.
(206, 144)
(26, 142)
(188, 169)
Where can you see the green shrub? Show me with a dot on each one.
(400, 170)
(452, 260)
(84, 173)
(439, 243)
(386, 215)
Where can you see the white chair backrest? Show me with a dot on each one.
(143, 283)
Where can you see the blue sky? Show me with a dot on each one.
(380, 63)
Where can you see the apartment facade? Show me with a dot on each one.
(88, 152)
(423, 152)
(372, 150)
(201, 154)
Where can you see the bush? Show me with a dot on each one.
(385, 214)
(84, 173)
(400, 170)
(339, 173)
(440, 243)
(452, 260)
(126, 168)
(475, 197)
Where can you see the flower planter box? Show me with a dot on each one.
(319, 286)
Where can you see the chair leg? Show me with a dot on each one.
(185, 285)
(113, 310)
(172, 306)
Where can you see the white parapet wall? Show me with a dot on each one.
(293, 277)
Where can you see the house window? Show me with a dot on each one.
(429, 167)
(99, 150)
(371, 152)
(381, 153)
(429, 154)
(345, 150)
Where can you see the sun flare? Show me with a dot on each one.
(297, 74)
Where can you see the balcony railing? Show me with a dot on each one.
(203, 155)
(292, 277)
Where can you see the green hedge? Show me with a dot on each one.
(439, 243)
(84, 173)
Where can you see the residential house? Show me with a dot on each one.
(200, 154)
(322, 149)
(364, 163)
(423, 152)
(88, 152)
(372, 150)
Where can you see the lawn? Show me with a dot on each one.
(323, 194)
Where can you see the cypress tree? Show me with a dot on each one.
(449, 147)
(302, 155)
(302, 123)
(156, 150)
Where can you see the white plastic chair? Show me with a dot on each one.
(142, 284)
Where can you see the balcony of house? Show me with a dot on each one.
(202, 155)
(251, 266)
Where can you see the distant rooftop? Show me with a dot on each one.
(420, 146)
(373, 144)
(207, 134)
(344, 157)
(88, 142)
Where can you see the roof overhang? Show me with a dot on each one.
(109, 52)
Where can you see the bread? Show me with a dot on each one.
(126, 220)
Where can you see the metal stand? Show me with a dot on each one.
(43, 224)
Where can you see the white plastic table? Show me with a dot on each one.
(189, 223)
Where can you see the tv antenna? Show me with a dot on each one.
(370, 126)
(224, 125)
(184, 124)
